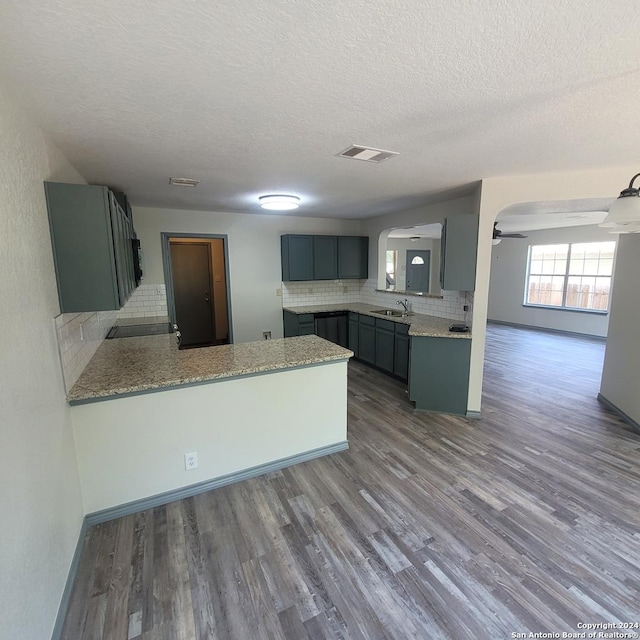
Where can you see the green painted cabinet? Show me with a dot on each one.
(91, 237)
(308, 257)
(401, 351)
(367, 340)
(325, 257)
(458, 252)
(353, 333)
(298, 324)
(353, 257)
(439, 374)
(385, 345)
(297, 257)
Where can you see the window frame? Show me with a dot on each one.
(565, 276)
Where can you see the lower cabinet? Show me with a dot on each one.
(381, 343)
(367, 343)
(440, 374)
(298, 324)
(401, 355)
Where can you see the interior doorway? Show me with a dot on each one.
(197, 279)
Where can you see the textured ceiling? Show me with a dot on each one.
(257, 96)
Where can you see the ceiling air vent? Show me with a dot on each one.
(368, 154)
(184, 182)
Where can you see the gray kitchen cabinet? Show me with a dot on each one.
(308, 257)
(385, 345)
(91, 237)
(353, 257)
(458, 251)
(401, 352)
(325, 257)
(297, 257)
(367, 340)
(295, 324)
(439, 374)
(353, 333)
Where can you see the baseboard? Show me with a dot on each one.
(71, 578)
(517, 325)
(194, 489)
(473, 415)
(630, 421)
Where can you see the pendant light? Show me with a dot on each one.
(624, 213)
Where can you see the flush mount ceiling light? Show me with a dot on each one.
(184, 182)
(279, 202)
(624, 213)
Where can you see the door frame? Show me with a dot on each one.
(168, 274)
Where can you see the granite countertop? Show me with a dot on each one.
(419, 323)
(133, 365)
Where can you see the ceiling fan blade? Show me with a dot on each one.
(512, 235)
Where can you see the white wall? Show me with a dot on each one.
(40, 498)
(508, 275)
(498, 193)
(621, 374)
(254, 257)
(232, 425)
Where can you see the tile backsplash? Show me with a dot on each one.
(147, 301)
(300, 294)
(79, 335)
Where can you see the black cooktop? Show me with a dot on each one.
(137, 330)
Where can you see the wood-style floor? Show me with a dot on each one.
(429, 527)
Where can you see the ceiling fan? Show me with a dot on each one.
(498, 235)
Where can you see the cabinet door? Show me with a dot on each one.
(325, 257)
(353, 257)
(384, 349)
(297, 258)
(119, 248)
(290, 324)
(458, 251)
(83, 249)
(367, 343)
(353, 336)
(401, 356)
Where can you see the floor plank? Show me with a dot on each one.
(429, 526)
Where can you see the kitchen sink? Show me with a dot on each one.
(396, 313)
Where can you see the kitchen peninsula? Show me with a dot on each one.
(142, 404)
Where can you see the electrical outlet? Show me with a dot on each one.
(190, 461)
(279, 293)
(266, 335)
(310, 289)
(345, 289)
(466, 307)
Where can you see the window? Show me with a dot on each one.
(417, 260)
(391, 268)
(570, 276)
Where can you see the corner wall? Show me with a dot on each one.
(40, 499)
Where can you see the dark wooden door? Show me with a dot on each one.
(191, 269)
(418, 262)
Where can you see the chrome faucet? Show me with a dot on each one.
(405, 305)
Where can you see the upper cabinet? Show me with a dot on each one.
(306, 257)
(92, 238)
(458, 250)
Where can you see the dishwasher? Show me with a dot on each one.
(332, 326)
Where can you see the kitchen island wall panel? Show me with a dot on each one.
(132, 448)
